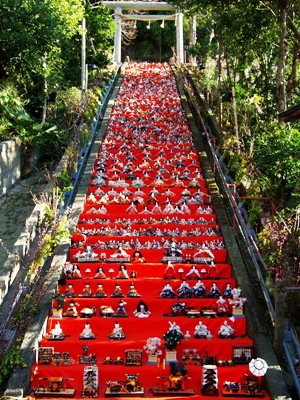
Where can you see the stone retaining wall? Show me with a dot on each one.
(10, 164)
(24, 244)
(15, 163)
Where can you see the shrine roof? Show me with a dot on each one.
(291, 114)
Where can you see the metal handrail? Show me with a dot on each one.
(290, 337)
(96, 120)
(254, 251)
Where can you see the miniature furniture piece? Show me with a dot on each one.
(238, 389)
(133, 357)
(107, 312)
(118, 260)
(54, 387)
(90, 382)
(131, 387)
(86, 358)
(174, 383)
(209, 380)
(252, 386)
(45, 355)
(191, 357)
(201, 260)
(61, 359)
(173, 260)
(242, 354)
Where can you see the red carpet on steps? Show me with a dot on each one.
(147, 193)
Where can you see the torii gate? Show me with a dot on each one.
(118, 6)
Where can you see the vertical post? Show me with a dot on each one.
(179, 37)
(118, 35)
(279, 317)
(83, 60)
(45, 89)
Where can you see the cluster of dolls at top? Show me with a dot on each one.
(198, 290)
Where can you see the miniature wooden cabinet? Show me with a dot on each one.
(90, 382)
(133, 357)
(45, 355)
(209, 380)
(242, 354)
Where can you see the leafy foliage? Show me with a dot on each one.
(9, 361)
(153, 44)
(58, 300)
(172, 337)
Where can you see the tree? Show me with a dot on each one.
(100, 32)
(153, 43)
(281, 20)
(34, 34)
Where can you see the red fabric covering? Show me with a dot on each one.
(147, 131)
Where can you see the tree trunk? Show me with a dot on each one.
(283, 49)
(192, 38)
(219, 84)
(235, 114)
